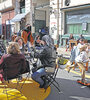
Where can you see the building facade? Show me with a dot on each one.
(7, 13)
(75, 19)
(61, 17)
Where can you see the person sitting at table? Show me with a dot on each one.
(14, 52)
(48, 59)
(19, 40)
(70, 38)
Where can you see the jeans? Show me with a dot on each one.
(36, 76)
(28, 45)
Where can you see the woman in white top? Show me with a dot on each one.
(81, 59)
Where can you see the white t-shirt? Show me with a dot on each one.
(82, 57)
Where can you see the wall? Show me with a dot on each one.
(41, 12)
(54, 19)
(40, 2)
(39, 15)
(7, 16)
(6, 4)
(27, 6)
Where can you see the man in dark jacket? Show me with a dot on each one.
(47, 58)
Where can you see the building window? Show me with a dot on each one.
(22, 6)
(78, 22)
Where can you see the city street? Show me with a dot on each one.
(70, 89)
(37, 36)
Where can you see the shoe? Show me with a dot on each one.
(41, 86)
(46, 85)
(82, 82)
(69, 69)
(72, 66)
(20, 78)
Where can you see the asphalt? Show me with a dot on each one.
(70, 89)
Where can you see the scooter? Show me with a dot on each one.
(85, 84)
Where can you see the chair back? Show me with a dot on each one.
(13, 66)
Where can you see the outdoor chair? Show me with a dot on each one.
(12, 69)
(50, 78)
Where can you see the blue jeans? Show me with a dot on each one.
(28, 45)
(36, 76)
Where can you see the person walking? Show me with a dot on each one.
(27, 37)
(81, 59)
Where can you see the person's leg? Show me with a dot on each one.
(36, 76)
(28, 45)
(72, 66)
(83, 71)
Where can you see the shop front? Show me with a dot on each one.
(77, 22)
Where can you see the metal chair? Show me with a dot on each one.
(12, 69)
(50, 79)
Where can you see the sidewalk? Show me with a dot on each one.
(62, 50)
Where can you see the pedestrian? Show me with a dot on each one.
(30, 39)
(27, 37)
(14, 36)
(74, 53)
(24, 35)
(81, 59)
(19, 33)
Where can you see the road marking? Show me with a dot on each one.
(87, 76)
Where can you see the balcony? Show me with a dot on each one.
(7, 5)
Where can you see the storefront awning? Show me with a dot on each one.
(76, 7)
(18, 17)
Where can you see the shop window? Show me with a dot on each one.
(78, 22)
